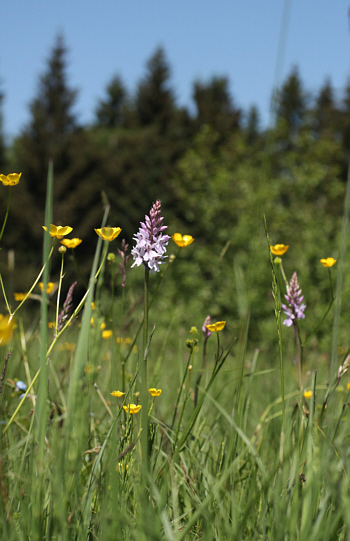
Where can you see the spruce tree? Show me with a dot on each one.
(155, 102)
(2, 136)
(291, 104)
(252, 125)
(325, 112)
(111, 110)
(215, 106)
(52, 124)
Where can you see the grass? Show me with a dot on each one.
(231, 449)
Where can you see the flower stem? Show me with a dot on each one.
(331, 285)
(7, 213)
(297, 341)
(58, 295)
(144, 391)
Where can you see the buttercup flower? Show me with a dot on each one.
(49, 288)
(132, 408)
(59, 231)
(150, 242)
(329, 262)
(308, 394)
(279, 249)
(10, 180)
(294, 310)
(118, 394)
(20, 296)
(106, 334)
(155, 392)
(215, 327)
(6, 329)
(71, 243)
(108, 233)
(182, 241)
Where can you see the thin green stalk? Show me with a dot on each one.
(6, 215)
(59, 294)
(3, 292)
(42, 393)
(331, 284)
(298, 346)
(276, 292)
(38, 466)
(144, 389)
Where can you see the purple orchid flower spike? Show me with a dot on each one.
(150, 242)
(295, 309)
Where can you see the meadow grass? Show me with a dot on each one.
(234, 447)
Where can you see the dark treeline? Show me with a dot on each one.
(214, 170)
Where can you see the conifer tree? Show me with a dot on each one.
(345, 121)
(215, 106)
(252, 124)
(155, 102)
(291, 103)
(326, 113)
(110, 111)
(2, 137)
(52, 123)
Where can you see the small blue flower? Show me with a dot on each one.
(20, 386)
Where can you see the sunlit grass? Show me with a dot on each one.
(117, 424)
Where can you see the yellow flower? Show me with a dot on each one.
(10, 180)
(51, 324)
(106, 334)
(215, 327)
(279, 249)
(118, 394)
(182, 241)
(102, 326)
(348, 386)
(132, 408)
(93, 306)
(6, 329)
(307, 394)
(329, 262)
(154, 392)
(49, 288)
(71, 243)
(59, 231)
(108, 233)
(69, 346)
(20, 296)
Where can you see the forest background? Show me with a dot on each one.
(216, 171)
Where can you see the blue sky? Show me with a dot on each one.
(240, 39)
